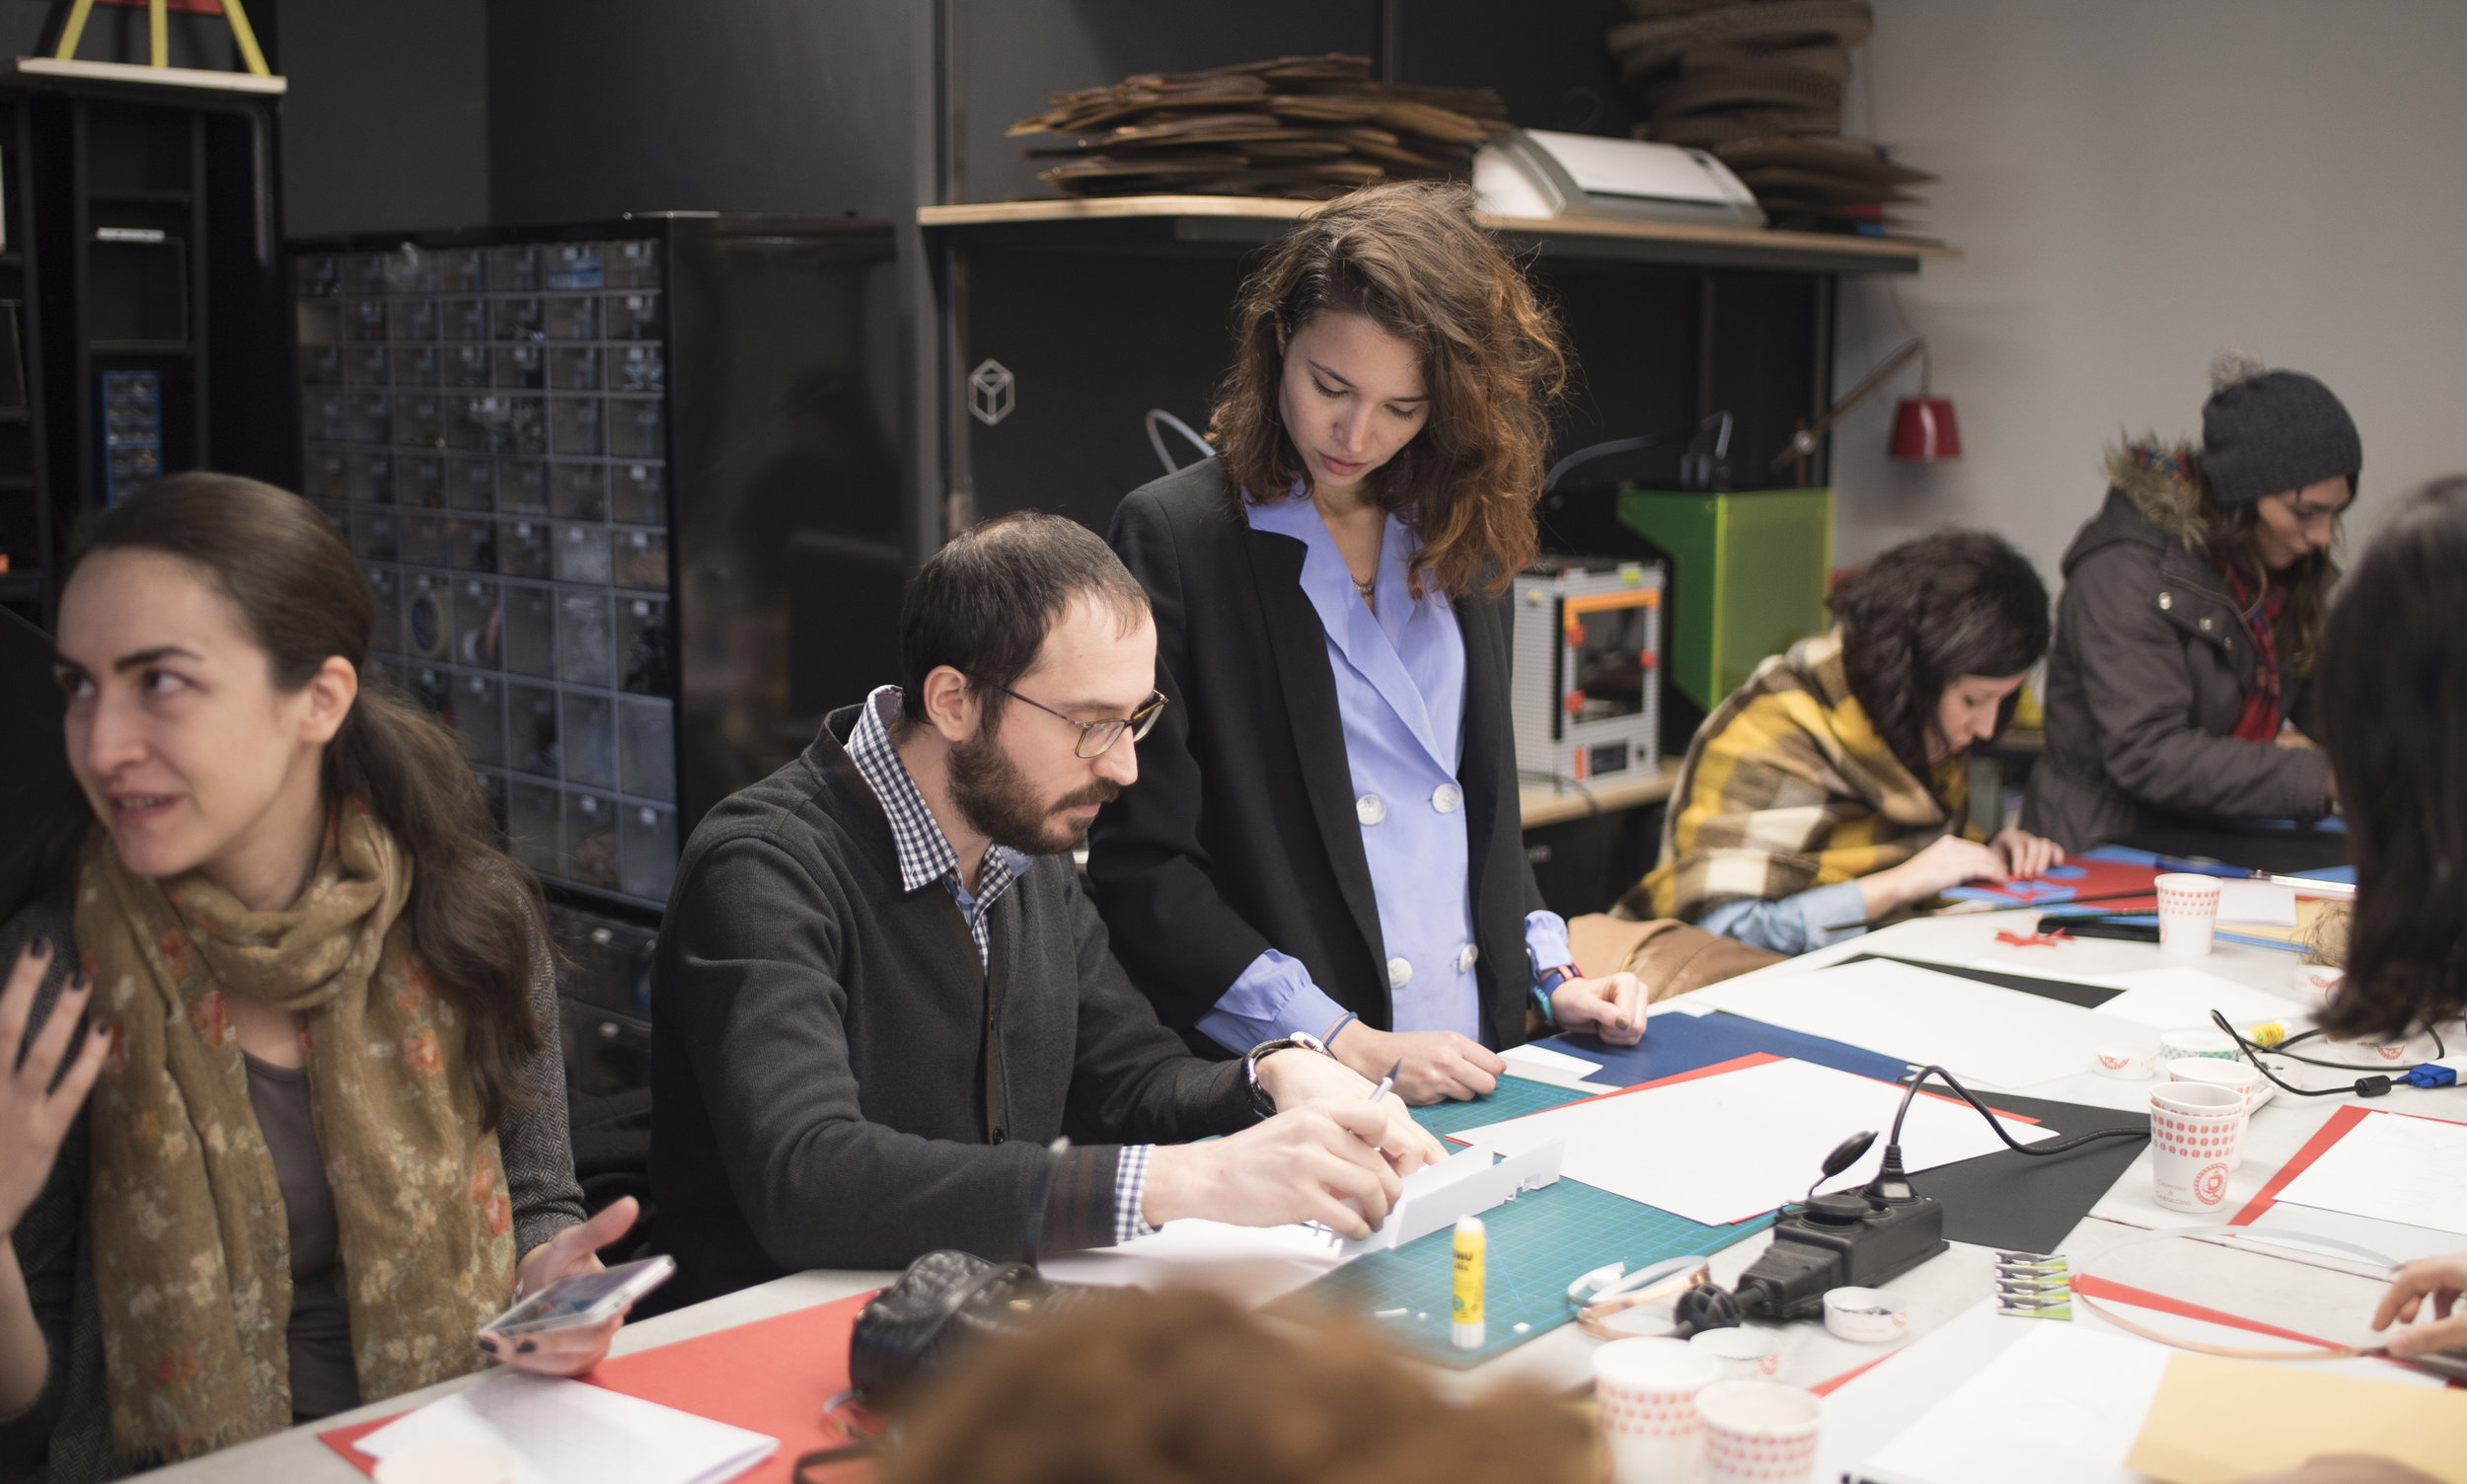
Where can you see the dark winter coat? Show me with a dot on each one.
(2148, 677)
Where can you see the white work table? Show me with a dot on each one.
(2323, 1296)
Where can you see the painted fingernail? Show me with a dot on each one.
(526, 1347)
(1622, 1022)
(43, 947)
(80, 981)
(486, 1342)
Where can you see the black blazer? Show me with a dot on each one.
(1239, 834)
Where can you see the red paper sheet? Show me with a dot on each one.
(772, 1375)
(2099, 881)
(2327, 1134)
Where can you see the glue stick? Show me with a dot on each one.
(1464, 1309)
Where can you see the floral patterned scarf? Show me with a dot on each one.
(191, 1251)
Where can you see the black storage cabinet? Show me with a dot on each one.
(629, 495)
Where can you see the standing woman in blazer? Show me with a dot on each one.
(1325, 840)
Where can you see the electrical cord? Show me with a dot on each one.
(2377, 1086)
(2439, 1051)
(2034, 1150)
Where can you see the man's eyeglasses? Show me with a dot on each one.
(1096, 736)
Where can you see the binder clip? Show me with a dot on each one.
(2033, 1285)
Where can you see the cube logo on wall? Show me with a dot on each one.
(991, 392)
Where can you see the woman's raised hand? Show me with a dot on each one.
(38, 1099)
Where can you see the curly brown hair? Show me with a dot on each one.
(1182, 1385)
(1408, 255)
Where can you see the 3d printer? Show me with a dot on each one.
(1587, 661)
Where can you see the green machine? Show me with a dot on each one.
(1748, 574)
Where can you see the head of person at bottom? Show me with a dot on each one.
(1391, 359)
(884, 997)
(274, 869)
(1182, 1385)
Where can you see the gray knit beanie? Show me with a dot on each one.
(2267, 432)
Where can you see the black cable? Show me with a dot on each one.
(2035, 1150)
(2439, 1051)
(2377, 1086)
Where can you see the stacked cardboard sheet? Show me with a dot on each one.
(1759, 83)
(1303, 126)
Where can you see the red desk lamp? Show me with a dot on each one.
(1923, 430)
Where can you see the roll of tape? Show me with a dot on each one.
(1868, 1316)
(2201, 1042)
(2126, 1064)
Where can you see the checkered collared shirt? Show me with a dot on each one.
(926, 856)
(925, 851)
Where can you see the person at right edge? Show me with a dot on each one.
(2191, 625)
(2394, 700)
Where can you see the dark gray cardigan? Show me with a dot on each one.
(841, 1084)
(65, 1436)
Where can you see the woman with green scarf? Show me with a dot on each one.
(326, 1140)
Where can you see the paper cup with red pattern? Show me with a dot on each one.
(2240, 1077)
(1759, 1433)
(1646, 1389)
(2187, 912)
(2195, 1128)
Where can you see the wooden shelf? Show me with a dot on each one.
(1546, 805)
(1231, 221)
(45, 69)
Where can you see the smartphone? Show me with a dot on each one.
(582, 1300)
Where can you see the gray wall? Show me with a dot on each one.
(2134, 186)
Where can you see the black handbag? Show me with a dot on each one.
(943, 1303)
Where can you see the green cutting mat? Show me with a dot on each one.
(1539, 1244)
(1511, 1096)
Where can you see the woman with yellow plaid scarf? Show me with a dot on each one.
(1830, 791)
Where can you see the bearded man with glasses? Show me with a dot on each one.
(888, 1021)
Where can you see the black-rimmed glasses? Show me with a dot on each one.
(1096, 737)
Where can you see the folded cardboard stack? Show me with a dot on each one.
(1709, 72)
(1760, 83)
(1303, 126)
(1823, 183)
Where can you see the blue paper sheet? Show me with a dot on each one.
(1675, 1044)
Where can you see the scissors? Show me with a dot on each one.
(1603, 1292)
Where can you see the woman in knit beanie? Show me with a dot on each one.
(2178, 688)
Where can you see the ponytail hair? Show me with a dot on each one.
(476, 919)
